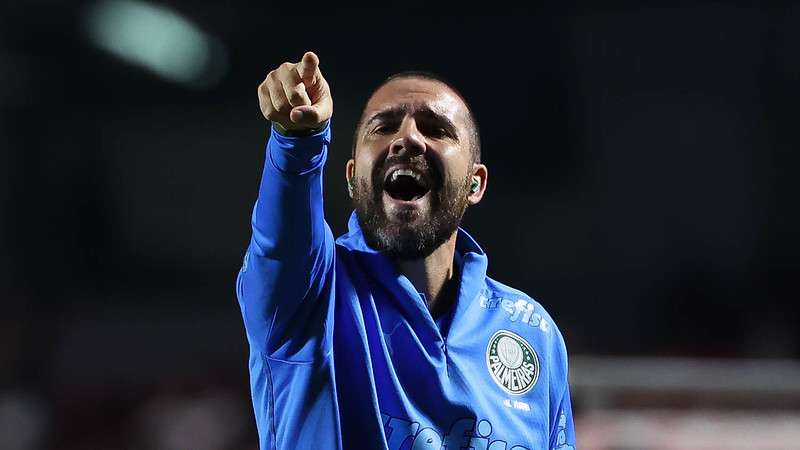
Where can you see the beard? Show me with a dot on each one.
(412, 233)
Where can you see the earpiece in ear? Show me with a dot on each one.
(475, 185)
(350, 188)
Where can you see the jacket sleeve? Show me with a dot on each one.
(563, 435)
(289, 260)
(562, 432)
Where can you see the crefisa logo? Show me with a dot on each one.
(512, 362)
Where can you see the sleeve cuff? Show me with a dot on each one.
(299, 154)
(298, 133)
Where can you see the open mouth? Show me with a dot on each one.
(406, 184)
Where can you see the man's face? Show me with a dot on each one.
(413, 167)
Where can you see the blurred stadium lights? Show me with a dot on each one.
(23, 420)
(158, 39)
(632, 403)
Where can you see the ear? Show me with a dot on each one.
(481, 174)
(349, 171)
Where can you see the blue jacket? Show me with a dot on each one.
(344, 353)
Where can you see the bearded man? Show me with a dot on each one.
(391, 336)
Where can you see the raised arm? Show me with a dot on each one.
(290, 256)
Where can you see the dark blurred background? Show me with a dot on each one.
(642, 188)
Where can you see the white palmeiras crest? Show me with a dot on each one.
(512, 362)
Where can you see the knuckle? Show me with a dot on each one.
(295, 94)
(267, 109)
(283, 106)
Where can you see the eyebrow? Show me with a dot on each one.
(388, 113)
(426, 111)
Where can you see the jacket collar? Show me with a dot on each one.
(470, 256)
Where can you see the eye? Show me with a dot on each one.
(382, 129)
(436, 131)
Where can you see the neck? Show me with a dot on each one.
(434, 276)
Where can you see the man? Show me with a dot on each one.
(391, 336)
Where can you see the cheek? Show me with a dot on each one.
(456, 167)
(362, 165)
(364, 170)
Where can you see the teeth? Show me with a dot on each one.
(406, 172)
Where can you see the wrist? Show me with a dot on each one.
(299, 133)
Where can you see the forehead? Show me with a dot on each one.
(414, 92)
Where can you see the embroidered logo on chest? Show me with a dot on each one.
(512, 362)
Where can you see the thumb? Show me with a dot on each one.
(308, 115)
(308, 68)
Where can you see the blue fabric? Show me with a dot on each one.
(344, 353)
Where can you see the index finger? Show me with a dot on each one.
(308, 68)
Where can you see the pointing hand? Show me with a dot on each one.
(295, 95)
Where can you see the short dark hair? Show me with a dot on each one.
(475, 140)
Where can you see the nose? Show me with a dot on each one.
(408, 140)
